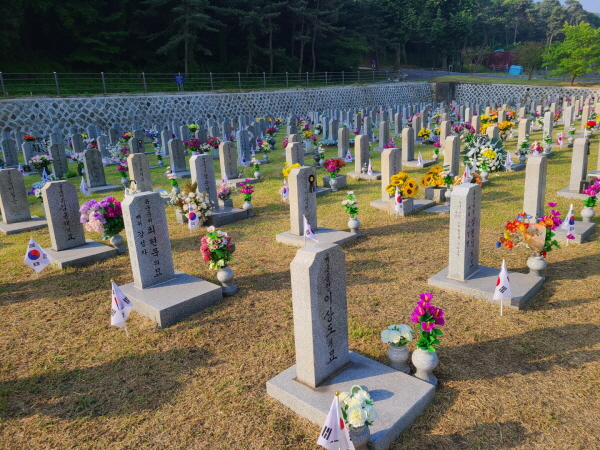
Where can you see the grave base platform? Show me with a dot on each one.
(482, 285)
(415, 163)
(438, 209)
(226, 215)
(183, 174)
(91, 252)
(419, 204)
(324, 235)
(239, 181)
(363, 176)
(35, 223)
(174, 300)
(566, 193)
(594, 174)
(106, 188)
(341, 181)
(262, 161)
(517, 167)
(583, 231)
(321, 191)
(399, 398)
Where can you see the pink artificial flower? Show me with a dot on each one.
(552, 204)
(427, 326)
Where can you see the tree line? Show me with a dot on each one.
(272, 35)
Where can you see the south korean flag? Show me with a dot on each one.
(308, 231)
(35, 257)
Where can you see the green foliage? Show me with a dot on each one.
(578, 53)
(530, 55)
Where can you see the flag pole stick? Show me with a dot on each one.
(501, 304)
(126, 330)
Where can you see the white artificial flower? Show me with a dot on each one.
(385, 336)
(345, 202)
(395, 336)
(353, 401)
(356, 416)
(371, 413)
(192, 194)
(405, 331)
(362, 395)
(210, 229)
(350, 192)
(343, 396)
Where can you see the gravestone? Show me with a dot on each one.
(184, 133)
(445, 131)
(452, 154)
(139, 171)
(201, 135)
(16, 217)
(158, 291)
(31, 149)
(9, 152)
(548, 123)
(302, 182)
(178, 163)
(493, 133)
(343, 142)
(384, 135)
(323, 363)
(585, 115)
(56, 138)
(77, 143)
(523, 133)
(333, 129)
(69, 247)
(397, 124)
(534, 198)
(243, 146)
(468, 115)
(92, 132)
(136, 145)
(325, 125)
(228, 160)
(368, 128)
(476, 123)
(165, 137)
(417, 123)
(113, 136)
(203, 172)
(103, 146)
(579, 164)
(294, 153)
(213, 131)
(464, 274)
(568, 118)
(391, 164)
(501, 116)
(361, 160)
(60, 165)
(94, 172)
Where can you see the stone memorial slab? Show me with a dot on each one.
(579, 165)
(103, 146)
(534, 198)
(60, 164)
(113, 136)
(464, 274)
(77, 143)
(158, 292)
(139, 172)
(343, 142)
(136, 145)
(94, 172)
(14, 207)
(294, 153)
(184, 133)
(384, 135)
(177, 155)
(391, 164)
(243, 146)
(9, 152)
(361, 160)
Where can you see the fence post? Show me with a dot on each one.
(56, 82)
(373, 76)
(287, 81)
(103, 82)
(2, 84)
(264, 80)
(342, 77)
(240, 81)
(212, 86)
(325, 78)
(145, 85)
(306, 79)
(358, 77)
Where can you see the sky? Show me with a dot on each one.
(591, 5)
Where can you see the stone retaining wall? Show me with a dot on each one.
(481, 93)
(40, 115)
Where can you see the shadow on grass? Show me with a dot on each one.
(526, 353)
(123, 386)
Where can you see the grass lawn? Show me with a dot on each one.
(527, 380)
(521, 81)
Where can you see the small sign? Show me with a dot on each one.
(179, 79)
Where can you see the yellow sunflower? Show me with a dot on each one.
(391, 189)
(396, 183)
(436, 169)
(409, 192)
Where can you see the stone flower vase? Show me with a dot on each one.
(175, 191)
(587, 213)
(333, 184)
(180, 216)
(425, 362)
(436, 156)
(247, 206)
(228, 202)
(360, 437)
(117, 242)
(522, 159)
(435, 193)
(484, 175)
(536, 264)
(225, 277)
(125, 182)
(266, 157)
(399, 358)
(257, 174)
(161, 163)
(448, 195)
(547, 149)
(353, 224)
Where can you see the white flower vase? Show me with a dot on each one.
(175, 191)
(117, 242)
(425, 362)
(353, 224)
(266, 157)
(548, 149)
(247, 206)
(522, 159)
(399, 358)
(484, 175)
(257, 175)
(587, 213)
(125, 182)
(360, 437)
(436, 156)
(333, 184)
(161, 163)
(225, 277)
(536, 264)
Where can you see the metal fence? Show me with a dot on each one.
(26, 84)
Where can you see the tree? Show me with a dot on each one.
(577, 54)
(530, 55)
(473, 57)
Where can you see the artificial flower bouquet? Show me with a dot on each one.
(430, 318)
(357, 407)
(436, 176)
(592, 192)
(397, 335)
(350, 204)
(333, 166)
(407, 187)
(216, 248)
(104, 217)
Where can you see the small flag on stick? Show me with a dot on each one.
(20, 169)
(308, 231)
(370, 169)
(120, 307)
(349, 156)
(83, 187)
(420, 160)
(285, 191)
(35, 257)
(398, 205)
(334, 434)
(502, 286)
(192, 218)
(569, 224)
(467, 177)
(509, 162)
(45, 177)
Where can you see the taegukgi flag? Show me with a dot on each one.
(420, 160)
(35, 257)
(45, 176)
(569, 222)
(193, 220)
(467, 177)
(83, 187)
(224, 181)
(398, 205)
(502, 284)
(334, 434)
(509, 162)
(308, 231)
(285, 191)
(349, 156)
(370, 169)
(120, 307)
(20, 169)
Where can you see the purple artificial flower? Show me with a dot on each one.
(552, 204)
(427, 326)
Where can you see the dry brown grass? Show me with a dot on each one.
(528, 380)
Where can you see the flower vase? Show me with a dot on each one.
(161, 163)
(80, 170)
(484, 175)
(175, 191)
(360, 437)
(225, 277)
(436, 156)
(536, 264)
(448, 194)
(247, 206)
(570, 139)
(180, 216)
(353, 224)
(257, 174)
(43, 209)
(503, 137)
(317, 159)
(227, 203)
(399, 358)
(117, 242)
(587, 213)
(333, 184)
(425, 362)
(266, 157)
(125, 182)
(522, 159)
(322, 162)
(548, 149)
